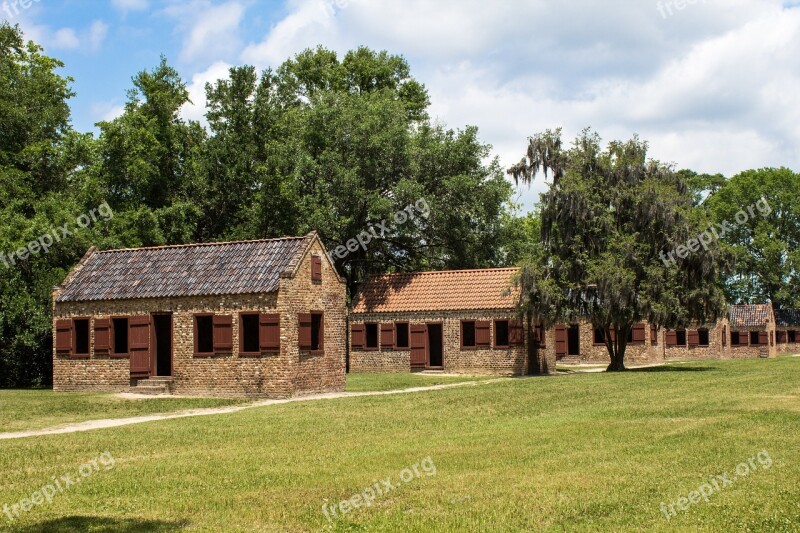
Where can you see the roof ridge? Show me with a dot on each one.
(197, 244)
(431, 272)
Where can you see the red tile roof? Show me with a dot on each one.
(439, 291)
(750, 315)
(244, 267)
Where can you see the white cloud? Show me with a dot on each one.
(197, 90)
(211, 32)
(65, 38)
(106, 111)
(97, 34)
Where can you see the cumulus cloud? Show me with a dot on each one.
(97, 34)
(197, 90)
(210, 32)
(65, 38)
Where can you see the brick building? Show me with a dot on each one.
(752, 331)
(262, 318)
(787, 331)
(455, 321)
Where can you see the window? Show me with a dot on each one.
(371, 332)
(316, 268)
(204, 334)
(680, 337)
(120, 328)
(81, 332)
(467, 334)
(599, 336)
(501, 334)
(249, 333)
(738, 339)
(703, 337)
(401, 334)
(792, 334)
(637, 334)
(317, 340)
(754, 338)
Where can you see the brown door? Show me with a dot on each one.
(419, 346)
(139, 342)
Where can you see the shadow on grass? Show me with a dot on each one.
(673, 368)
(99, 524)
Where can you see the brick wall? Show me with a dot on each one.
(787, 347)
(274, 376)
(490, 361)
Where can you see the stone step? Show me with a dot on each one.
(154, 385)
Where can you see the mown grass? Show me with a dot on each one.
(393, 381)
(22, 410)
(591, 452)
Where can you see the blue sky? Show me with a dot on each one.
(713, 85)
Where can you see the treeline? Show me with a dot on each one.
(324, 143)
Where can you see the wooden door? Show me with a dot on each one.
(139, 345)
(419, 345)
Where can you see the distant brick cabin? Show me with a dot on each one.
(752, 331)
(455, 321)
(263, 318)
(787, 331)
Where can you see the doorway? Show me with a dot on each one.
(435, 346)
(162, 345)
(574, 340)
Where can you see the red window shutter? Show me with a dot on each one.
(781, 337)
(763, 338)
(223, 333)
(357, 337)
(672, 337)
(387, 336)
(482, 335)
(139, 343)
(304, 331)
(419, 344)
(316, 268)
(561, 339)
(516, 333)
(693, 337)
(613, 334)
(269, 334)
(638, 333)
(724, 336)
(653, 334)
(102, 335)
(64, 336)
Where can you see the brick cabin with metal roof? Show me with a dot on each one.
(461, 321)
(264, 318)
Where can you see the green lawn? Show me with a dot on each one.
(383, 382)
(22, 410)
(572, 453)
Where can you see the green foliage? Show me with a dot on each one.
(607, 220)
(766, 247)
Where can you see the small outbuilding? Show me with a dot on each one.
(752, 331)
(462, 321)
(263, 318)
(787, 330)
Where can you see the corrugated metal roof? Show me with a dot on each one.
(787, 318)
(186, 270)
(750, 315)
(439, 291)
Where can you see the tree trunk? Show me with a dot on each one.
(616, 348)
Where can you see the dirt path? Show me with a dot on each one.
(116, 422)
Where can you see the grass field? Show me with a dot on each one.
(577, 452)
(36, 409)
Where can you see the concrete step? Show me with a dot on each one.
(154, 385)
